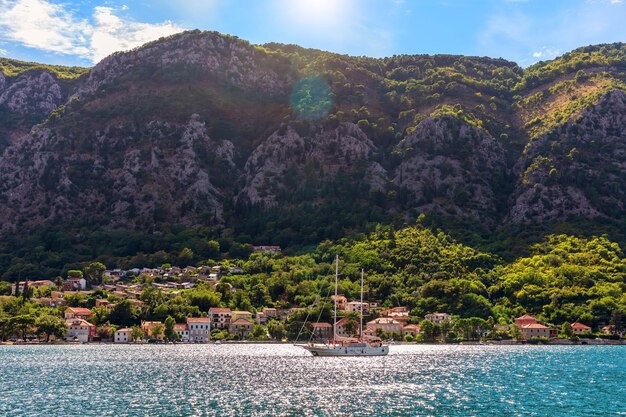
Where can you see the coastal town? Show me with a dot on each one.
(110, 312)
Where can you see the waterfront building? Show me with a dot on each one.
(578, 328)
(322, 331)
(524, 320)
(123, 336)
(80, 330)
(199, 329)
(183, 332)
(220, 317)
(412, 329)
(535, 330)
(340, 300)
(385, 324)
(241, 327)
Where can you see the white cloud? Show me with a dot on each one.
(546, 53)
(43, 25)
(3, 52)
(528, 38)
(50, 27)
(111, 33)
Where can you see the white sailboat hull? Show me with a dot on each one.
(347, 350)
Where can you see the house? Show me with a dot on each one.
(220, 317)
(270, 313)
(199, 329)
(271, 249)
(385, 324)
(344, 330)
(79, 329)
(123, 336)
(241, 327)
(412, 329)
(437, 318)
(355, 307)
(261, 318)
(322, 331)
(524, 320)
(32, 284)
(102, 303)
(578, 328)
(75, 283)
(340, 300)
(183, 332)
(401, 317)
(77, 313)
(238, 314)
(387, 311)
(148, 327)
(534, 330)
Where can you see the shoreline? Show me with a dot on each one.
(557, 342)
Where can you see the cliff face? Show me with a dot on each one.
(577, 169)
(200, 129)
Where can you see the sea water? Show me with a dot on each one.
(283, 380)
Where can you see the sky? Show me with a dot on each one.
(82, 32)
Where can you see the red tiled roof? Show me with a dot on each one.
(241, 321)
(526, 317)
(578, 325)
(534, 326)
(198, 320)
(219, 310)
(412, 326)
(343, 321)
(321, 325)
(79, 310)
(78, 322)
(180, 327)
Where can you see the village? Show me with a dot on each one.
(222, 323)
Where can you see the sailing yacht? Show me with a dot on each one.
(362, 346)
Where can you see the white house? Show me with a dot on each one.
(123, 336)
(437, 318)
(199, 329)
(183, 332)
(79, 329)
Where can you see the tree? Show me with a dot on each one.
(259, 332)
(74, 273)
(566, 330)
(617, 322)
(123, 314)
(276, 329)
(105, 331)
(170, 334)
(158, 331)
(185, 257)
(94, 273)
(136, 333)
(427, 329)
(49, 325)
(27, 291)
(22, 324)
(516, 332)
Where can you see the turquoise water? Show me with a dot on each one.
(282, 380)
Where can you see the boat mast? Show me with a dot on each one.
(361, 324)
(336, 285)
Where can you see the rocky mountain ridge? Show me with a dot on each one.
(202, 129)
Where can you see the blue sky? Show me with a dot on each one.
(81, 32)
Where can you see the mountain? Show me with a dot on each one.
(285, 145)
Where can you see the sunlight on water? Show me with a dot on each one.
(282, 380)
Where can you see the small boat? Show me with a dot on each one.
(361, 346)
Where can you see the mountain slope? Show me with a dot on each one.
(286, 145)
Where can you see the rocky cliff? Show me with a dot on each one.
(201, 129)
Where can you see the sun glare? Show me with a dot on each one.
(316, 12)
